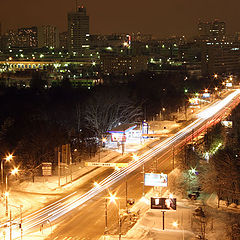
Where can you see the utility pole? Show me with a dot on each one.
(173, 156)
(70, 160)
(126, 191)
(120, 221)
(143, 171)
(10, 225)
(163, 226)
(59, 166)
(106, 226)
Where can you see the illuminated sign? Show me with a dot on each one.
(227, 124)
(99, 164)
(206, 95)
(154, 179)
(228, 84)
(164, 203)
(118, 137)
(144, 127)
(47, 169)
(194, 101)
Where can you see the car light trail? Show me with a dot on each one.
(65, 205)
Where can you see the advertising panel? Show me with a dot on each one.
(163, 203)
(154, 179)
(118, 137)
(47, 169)
(99, 164)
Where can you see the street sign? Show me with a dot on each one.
(154, 179)
(99, 164)
(47, 169)
(163, 203)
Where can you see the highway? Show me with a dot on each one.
(80, 214)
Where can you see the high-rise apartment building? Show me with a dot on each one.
(63, 40)
(12, 38)
(48, 36)
(78, 30)
(214, 31)
(28, 37)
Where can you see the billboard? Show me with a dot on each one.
(47, 169)
(154, 179)
(163, 203)
(228, 84)
(100, 164)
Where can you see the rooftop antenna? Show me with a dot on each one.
(77, 5)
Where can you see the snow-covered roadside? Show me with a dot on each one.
(149, 224)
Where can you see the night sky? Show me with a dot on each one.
(159, 17)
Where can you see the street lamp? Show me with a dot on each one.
(20, 209)
(13, 172)
(136, 158)
(8, 158)
(113, 199)
(176, 225)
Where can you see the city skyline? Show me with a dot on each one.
(162, 19)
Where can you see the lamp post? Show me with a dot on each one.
(7, 159)
(175, 224)
(113, 198)
(20, 209)
(136, 158)
(13, 172)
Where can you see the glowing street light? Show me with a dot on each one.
(215, 76)
(13, 172)
(192, 170)
(8, 158)
(112, 198)
(97, 185)
(176, 225)
(135, 157)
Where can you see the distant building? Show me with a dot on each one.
(221, 59)
(28, 37)
(12, 38)
(123, 65)
(140, 37)
(63, 40)
(214, 31)
(48, 36)
(78, 31)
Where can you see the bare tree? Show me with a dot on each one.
(222, 176)
(108, 109)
